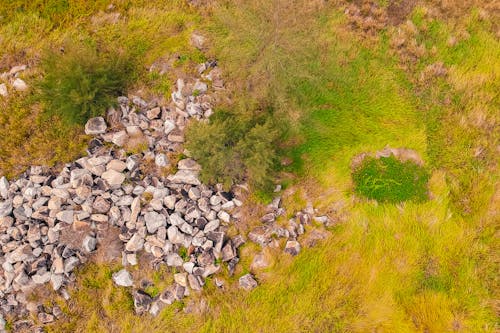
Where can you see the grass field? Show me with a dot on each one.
(412, 267)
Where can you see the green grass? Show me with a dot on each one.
(389, 180)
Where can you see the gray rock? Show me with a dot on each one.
(101, 205)
(167, 297)
(176, 220)
(113, 178)
(247, 282)
(5, 208)
(259, 262)
(142, 302)
(228, 251)
(117, 165)
(45, 318)
(3, 90)
(19, 85)
(292, 247)
(198, 40)
(169, 126)
(89, 244)
(188, 164)
(123, 278)
(174, 235)
(185, 177)
(66, 216)
(70, 264)
(211, 226)
(161, 160)
(200, 87)
(41, 278)
(95, 126)
(224, 216)
(174, 260)
(136, 209)
(56, 280)
(194, 282)
(136, 243)
(181, 279)
(4, 188)
(154, 221)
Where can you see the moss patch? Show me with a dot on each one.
(387, 179)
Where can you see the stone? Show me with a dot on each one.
(268, 218)
(4, 188)
(185, 177)
(101, 205)
(70, 264)
(211, 226)
(174, 235)
(89, 244)
(176, 220)
(194, 282)
(321, 219)
(119, 138)
(259, 262)
(174, 260)
(153, 113)
(224, 216)
(3, 90)
(139, 102)
(167, 297)
(200, 87)
(5, 208)
(19, 85)
(142, 302)
(95, 126)
(181, 279)
(56, 280)
(247, 282)
(135, 243)
(161, 160)
(228, 251)
(136, 209)
(292, 247)
(198, 40)
(45, 318)
(113, 178)
(117, 165)
(188, 164)
(123, 278)
(41, 278)
(154, 221)
(66, 216)
(169, 126)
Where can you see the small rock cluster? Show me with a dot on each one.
(268, 233)
(14, 80)
(50, 222)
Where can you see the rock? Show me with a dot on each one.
(200, 87)
(5, 208)
(101, 205)
(3, 90)
(4, 188)
(169, 126)
(176, 136)
(268, 218)
(153, 113)
(135, 243)
(113, 178)
(224, 216)
(16, 69)
(247, 282)
(136, 209)
(174, 260)
(174, 235)
(139, 102)
(154, 221)
(41, 278)
(321, 219)
(70, 264)
(228, 251)
(89, 244)
(19, 85)
(119, 138)
(194, 282)
(211, 226)
(117, 165)
(181, 279)
(123, 278)
(45, 318)
(142, 302)
(198, 41)
(167, 297)
(185, 177)
(188, 164)
(259, 262)
(292, 247)
(66, 216)
(95, 126)
(56, 280)
(161, 160)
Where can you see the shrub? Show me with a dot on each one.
(235, 148)
(81, 82)
(387, 179)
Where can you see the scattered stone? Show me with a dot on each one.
(19, 85)
(123, 278)
(142, 302)
(3, 90)
(292, 247)
(89, 244)
(247, 282)
(95, 126)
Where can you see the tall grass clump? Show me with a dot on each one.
(388, 179)
(81, 82)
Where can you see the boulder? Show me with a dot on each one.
(142, 302)
(19, 85)
(3, 90)
(292, 247)
(247, 282)
(89, 244)
(95, 126)
(4, 188)
(122, 278)
(154, 221)
(136, 243)
(185, 177)
(113, 178)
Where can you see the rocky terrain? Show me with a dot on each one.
(51, 222)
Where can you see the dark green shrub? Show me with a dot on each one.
(387, 179)
(235, 148)
(81, 82)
